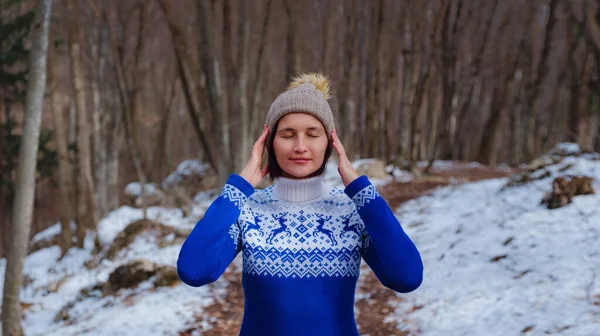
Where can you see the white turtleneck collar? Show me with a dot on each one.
(300, 190)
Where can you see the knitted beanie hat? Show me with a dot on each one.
(307, 93)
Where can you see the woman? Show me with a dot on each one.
(301, 240)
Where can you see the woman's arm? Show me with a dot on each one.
(215, 240)
(387, 249)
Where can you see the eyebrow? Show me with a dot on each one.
(291, 129)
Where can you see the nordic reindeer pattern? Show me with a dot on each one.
(284, 239)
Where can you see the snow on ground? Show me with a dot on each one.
(499, 263)
(544, 278)
(185, 169)
(110, 226)
(135, 189)
(141, 311)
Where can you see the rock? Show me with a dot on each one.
(177, 197)
(124, 276)
(128, 235)
(63, 314)
(191, 176)
(129, 275)
(373, 168)
(90, 291)
(565, 188)
(152, 199)
(166, 276)
(151, 194)
(581, 185)
(178, 237)
(55, 286)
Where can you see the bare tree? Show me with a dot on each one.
(87, 215)
(23, 205)
(65, 168)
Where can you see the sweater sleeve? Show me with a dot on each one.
(215, 240)
(387, 249)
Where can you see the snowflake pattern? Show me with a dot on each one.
(366, 195)
(234, 195)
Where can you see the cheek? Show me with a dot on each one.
(279, 146)
(319, 149)
(281, 151)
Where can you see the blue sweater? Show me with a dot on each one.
(302, 244)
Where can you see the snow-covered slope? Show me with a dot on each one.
(499, 263)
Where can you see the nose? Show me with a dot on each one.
(300, 146)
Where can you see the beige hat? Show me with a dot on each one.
(307, 93)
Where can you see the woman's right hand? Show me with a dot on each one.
(252, 171)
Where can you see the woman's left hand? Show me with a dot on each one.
(345, 168)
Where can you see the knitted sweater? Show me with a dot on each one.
(302, 243)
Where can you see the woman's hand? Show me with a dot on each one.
(345, 168)
(252, 172)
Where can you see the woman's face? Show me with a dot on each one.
(299, 143)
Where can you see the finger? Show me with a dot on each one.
(339, 142)
(263, 136)
(257, 148)
(262, 141)
(335, 143)
(338, 146)
(263, 171)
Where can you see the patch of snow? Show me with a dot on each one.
(135, 189)
(360, 162)
(332, 176)
(206, 197)
(47, 233)
(110, 226)
(402, 175)
(568, 148)
(51, 232)
(184, 169)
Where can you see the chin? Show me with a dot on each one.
(300, 173)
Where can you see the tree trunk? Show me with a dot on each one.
(345, 120)
(65, 169)
(240, 94)
(87, 215)
(214, 87)
(194, 97)
(25, 183)
(128, 94)
(292, 58)
(582, 127)
(114, 145)
(536, 99)
(259, 78)
(100, 116)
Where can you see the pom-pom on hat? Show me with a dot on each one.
(307, 93)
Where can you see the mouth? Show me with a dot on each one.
(300, 160)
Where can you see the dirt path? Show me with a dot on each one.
(225, 315)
